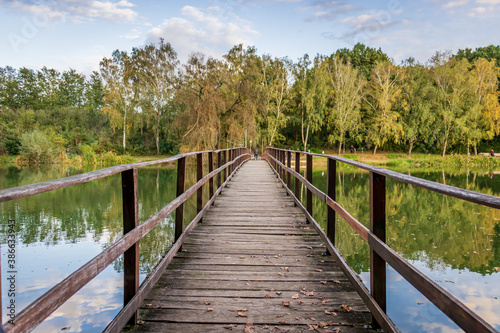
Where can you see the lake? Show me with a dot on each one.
(455, 243)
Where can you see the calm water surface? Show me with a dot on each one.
(454, 242)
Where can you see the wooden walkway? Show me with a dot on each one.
(253, 265)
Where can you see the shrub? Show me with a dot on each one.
(36, 147)
(88, 154)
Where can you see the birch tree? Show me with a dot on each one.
(384, 91)
(119, 91)
(155, 69)
(345, 115)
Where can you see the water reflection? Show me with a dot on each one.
(454, 242)
(59, 231)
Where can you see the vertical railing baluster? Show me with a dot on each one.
(377, 227)
(224, 157)
(309, 177)
(199, 176)
(219, 175)
(130, 221)
(282, 168)
(211, 180)
(289, 165)
(229, 159)
(330, 191)
(297, 169)
(181, 186)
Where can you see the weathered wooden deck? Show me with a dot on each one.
(253, 265)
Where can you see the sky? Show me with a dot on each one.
(78, 34)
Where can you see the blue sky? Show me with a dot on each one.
(77, 34)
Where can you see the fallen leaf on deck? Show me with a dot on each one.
(318, 270)
(241, 314)
(347, 308)
(326, 301)
(268, 296)
(323, 282)
(279, 293)
(283, 322)
(285, 303)
(280, 315)
(210, 310)
(230, 326)
(207, 303)
(295, 296)
(301, 302)
(338, 282)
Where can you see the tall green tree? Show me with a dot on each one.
(417, 117)
(348, 86)
(311, 90)
(155, 69)
(363, 58)
(383, 93)
(452, 90)
(275, 78)
(119, 93)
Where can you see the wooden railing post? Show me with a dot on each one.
(224, 162)
(219, 175)
(199, 175)
(330, 191)
(283, 171)
(229, 159)
(377, 227)
(309, 177)
(289, 165)
(181, 186)
(297, 169)
(210, 169)
(130, 221)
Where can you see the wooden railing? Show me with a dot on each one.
(380, 252)
(228, 161)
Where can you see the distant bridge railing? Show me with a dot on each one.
(375, 236)
(228, 161)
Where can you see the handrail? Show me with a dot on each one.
(445, 301)
(36, 312)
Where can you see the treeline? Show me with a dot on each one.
(146, 102)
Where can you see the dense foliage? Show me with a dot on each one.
(146, 102)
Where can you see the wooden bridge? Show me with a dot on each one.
(253, 259)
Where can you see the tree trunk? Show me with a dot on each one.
(124, 129)
(157, 142)
(340, 147)
(444, 148)
(411, 147)
(375, 150)
(475, 149)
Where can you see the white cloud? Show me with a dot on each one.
(133, 35)
(79, 10)
(455, 4)
(212, 31)
(488, 2)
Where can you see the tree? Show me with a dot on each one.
(452, 88)
(155, 69)
(201, 102)
(384, 91)
(311, 95)
(347, 96)
(484, 83)
(417, 117)
(275, 78)
(363, 58)
(119, 94)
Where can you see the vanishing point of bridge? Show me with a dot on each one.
(253, 259)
